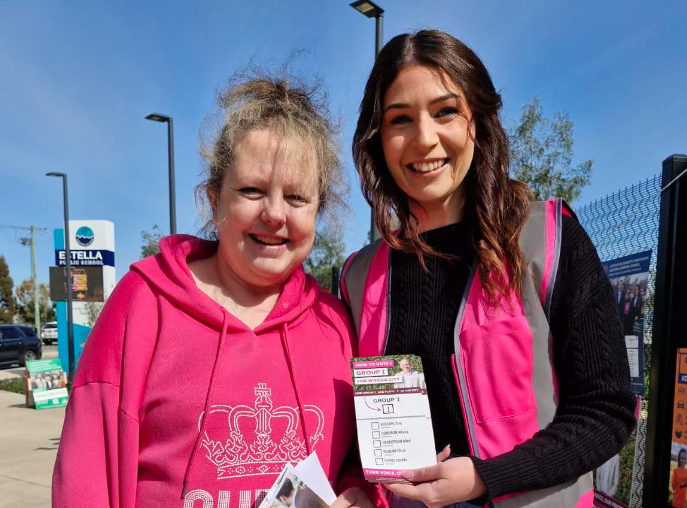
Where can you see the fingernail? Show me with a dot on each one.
(407, 475)
(447, 448)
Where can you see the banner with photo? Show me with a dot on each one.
(629, 277)
(678, 449)
(46, 384)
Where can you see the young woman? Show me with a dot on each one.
(506, 302)
(197, 384)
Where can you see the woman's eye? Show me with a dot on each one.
(448, 111)
(251, 191)
(297, 198)
(400, 119)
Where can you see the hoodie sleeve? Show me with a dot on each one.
(97, 459)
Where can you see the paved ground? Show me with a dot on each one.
(29, 441)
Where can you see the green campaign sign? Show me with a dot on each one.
(47, 383)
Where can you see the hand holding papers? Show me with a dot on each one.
(392, 414)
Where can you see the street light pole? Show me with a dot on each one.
(372, 10)
(68, 275)
(170, 158)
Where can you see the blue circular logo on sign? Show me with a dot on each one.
(84, 236)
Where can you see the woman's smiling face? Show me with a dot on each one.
(267, 208)
(427, 138)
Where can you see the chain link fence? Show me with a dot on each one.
(620, 224)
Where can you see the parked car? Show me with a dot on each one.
(19, 343)
(49, 332)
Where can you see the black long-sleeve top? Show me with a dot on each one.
(595, 414)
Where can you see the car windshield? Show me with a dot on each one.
(49, 325)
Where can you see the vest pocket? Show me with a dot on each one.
(497, 360)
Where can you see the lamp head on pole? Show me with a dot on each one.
(368, 8)
(53, 173)
(156, 117)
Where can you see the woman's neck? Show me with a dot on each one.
(438, 214)
(249, 303)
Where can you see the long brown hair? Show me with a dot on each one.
(495, 204)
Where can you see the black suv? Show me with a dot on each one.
(19, 343)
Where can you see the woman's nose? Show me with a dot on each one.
(273, 211)
(426, 134)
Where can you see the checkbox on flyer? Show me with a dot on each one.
(378, 453)
(379, 462)
(375, 435)
(375, 425)
(377, 444)
(387, 408)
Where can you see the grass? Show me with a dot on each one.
(12, 385)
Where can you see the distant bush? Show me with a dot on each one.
(12, 385)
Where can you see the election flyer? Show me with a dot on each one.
(392, 416)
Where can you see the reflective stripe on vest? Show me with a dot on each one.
(503, 349)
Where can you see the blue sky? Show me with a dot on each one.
(78, 78)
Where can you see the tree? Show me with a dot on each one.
(542, 152)
(8, 305)
(151, 242)
(92, 312)
(326, 253)
(25, 307)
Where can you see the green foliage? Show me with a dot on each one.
(151, 240)
(542, 152)
(25, 307)
(8, 304)
(92, 312)
(12, 385)
(326, 253)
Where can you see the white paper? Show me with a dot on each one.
(633, 358)
(631, 341)
(392, 416)
(310, 471)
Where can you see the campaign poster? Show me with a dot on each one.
(678, 450)
(629, 277)
(46, 383)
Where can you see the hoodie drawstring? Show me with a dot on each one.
(292, 374)
(208, 398)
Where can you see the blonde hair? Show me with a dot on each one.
(287, 106)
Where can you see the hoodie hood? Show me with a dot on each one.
(168, 274)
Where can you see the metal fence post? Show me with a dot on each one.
(670, 326)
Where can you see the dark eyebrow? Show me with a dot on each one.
(442, 98)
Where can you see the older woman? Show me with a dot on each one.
(198, 381)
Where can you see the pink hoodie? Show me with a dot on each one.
(163, 354)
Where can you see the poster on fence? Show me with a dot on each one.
(629, 277)
(678, 449)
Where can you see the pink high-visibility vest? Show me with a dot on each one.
(502, 359)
